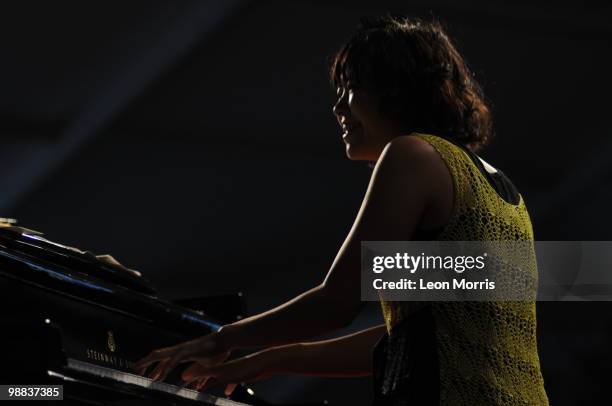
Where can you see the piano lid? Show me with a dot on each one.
(32, 243)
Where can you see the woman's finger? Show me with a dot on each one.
(167, 359)
(152, 357)
(165, 367)
(229, 389)
(158, 370)
(200, 383)
(197, 370)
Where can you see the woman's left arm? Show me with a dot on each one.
(345, 356)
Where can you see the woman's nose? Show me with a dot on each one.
(340, 106)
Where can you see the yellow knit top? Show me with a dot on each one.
(487, 351)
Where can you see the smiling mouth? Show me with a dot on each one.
(348, 129)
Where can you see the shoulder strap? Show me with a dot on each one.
(455, 160)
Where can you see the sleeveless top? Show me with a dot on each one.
(465, 353)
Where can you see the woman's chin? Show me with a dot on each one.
(349, 151)
(353, 153)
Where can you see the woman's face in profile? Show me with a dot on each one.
(364, 130)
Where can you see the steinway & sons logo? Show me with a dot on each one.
(110, 342)
(105, 357)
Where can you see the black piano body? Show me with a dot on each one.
(69, 319)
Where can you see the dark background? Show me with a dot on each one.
(194, 141)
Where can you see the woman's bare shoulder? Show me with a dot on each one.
(408, 167)
(417, 173)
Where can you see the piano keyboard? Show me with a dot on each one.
(125, 377)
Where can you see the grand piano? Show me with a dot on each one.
(70, 319)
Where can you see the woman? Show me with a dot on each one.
(406, 102)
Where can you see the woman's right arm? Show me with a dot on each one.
(346, 356)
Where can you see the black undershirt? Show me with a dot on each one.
(498, 180)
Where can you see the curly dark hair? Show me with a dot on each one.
(419, 77)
